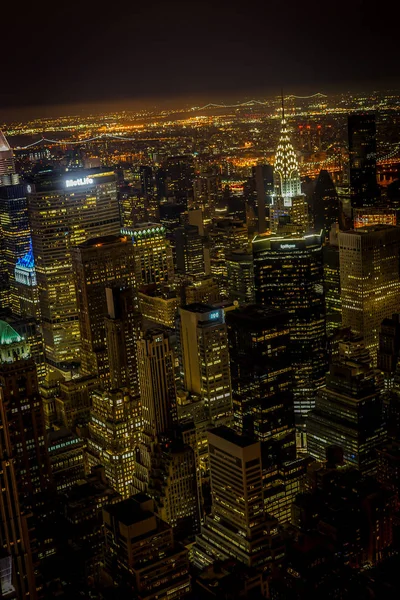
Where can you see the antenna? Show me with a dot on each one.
(283, 106)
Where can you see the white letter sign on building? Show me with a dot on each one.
(76, 182)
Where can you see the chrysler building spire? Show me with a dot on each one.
(286, 165)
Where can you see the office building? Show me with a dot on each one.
(201, 290)
(240, 276)
(25, 467)
(364, 188)
(262, 378)
(189, 251)
(156, 367)
(205, 358)
(7, 163)
(263, 176)
(174, 487)
(141, 550)
(153, 254)
(238, 526)
(14, 225)
(159, 306)
(367, 216)
(324, 203)
(333, 298)
(286, 168)
(73, 399)
(122, 326)
(25, 294)
(146, 180)
(114, 432)
(180, 177)
(288, 275)
(65, 211)
(389, 348)
(369, 279)
(348, 414)
(66, 454)
(98, 263)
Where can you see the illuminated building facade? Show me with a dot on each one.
(226, 235)
(240, 276)
(189, 250)
(348, 413)
(369, 277)
(262, 378)
(365, 217)
(114, 432)
(15, 231)
(333, 299)
(202, 290)
(153, 254)
(238, 526)
(122, 326)
(288, 275)
(205, 358)
(8, 175)
(362, 153)
(65, 211)
(26, 296)
(389, 348)
(156, 366)
(96, 264)
(25, 467)
(66, 453)
(140, 549)
(286, 167)
(159, 307)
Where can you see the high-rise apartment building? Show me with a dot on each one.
(369, 278)
(262, 378)
(364, 189)
(153, 254)
(348, 413)
(205, 358)
(65, 211)
(96, 264)
(156, 367)
(288, 275)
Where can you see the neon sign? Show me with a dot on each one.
(287, 246)
(76, 182)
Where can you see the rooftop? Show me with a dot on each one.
(8, 335)
(129, 511)
(104, 240)
(231, 436)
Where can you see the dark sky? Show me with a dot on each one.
(80, 52)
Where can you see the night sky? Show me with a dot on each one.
(69, 52)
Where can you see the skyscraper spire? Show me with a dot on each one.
(286, 165)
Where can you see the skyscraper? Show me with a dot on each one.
(325, 203)
(64, 211)
(286, 167)
(348, 413)
(7, 163)
(153, 254)
(205, 358)
(240, 276)
(156, 367)
(25, 467)
(15, 230)
(96, 264)
(288, 275)
(180, 177)
(189, 250)
(26, 296)
(122, 329)
(238, 526)
(362, 151)
(262, 378)
(369, 278)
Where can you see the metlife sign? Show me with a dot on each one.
(70, 183)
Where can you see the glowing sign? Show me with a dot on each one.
(76, 182)
(214, 315)
(287, 246)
